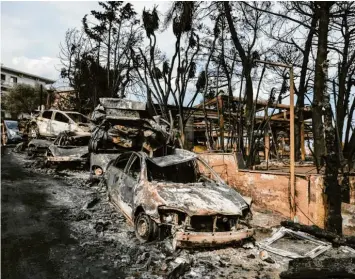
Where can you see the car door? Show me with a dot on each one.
(59, 123)
(113, 179)
(43, 122)
(122, 180)
(130, 179)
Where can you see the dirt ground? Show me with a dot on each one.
(56, 224)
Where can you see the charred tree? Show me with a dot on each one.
(325, 145)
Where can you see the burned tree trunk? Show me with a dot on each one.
(326, 147)
(319, 87)
(247, 67)
(303, 89)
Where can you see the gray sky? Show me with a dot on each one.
(32, 31)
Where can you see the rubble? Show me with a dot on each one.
(124, 125)
(179, 267)
(336, 239)
(311, 247)
(109, 246)
(320, 268)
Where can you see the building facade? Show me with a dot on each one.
(10, 77)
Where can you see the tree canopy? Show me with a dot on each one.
(23, 98)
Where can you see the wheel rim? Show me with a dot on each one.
(142, 228)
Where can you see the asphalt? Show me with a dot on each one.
(36, 238)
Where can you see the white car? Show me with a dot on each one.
(49, 123)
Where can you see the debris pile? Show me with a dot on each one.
(110, 247)
(124, 125)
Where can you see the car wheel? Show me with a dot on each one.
(145, 228)
(34, 131)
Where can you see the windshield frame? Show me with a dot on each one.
(196, 160)
(12, 122)
(71, 116)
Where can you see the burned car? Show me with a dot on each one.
(169, 195)
(99, 163)
(37, 147)
(69, 147)
(50, 123)
(124, 125)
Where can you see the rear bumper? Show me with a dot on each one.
(193, 239)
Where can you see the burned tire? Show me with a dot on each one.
(145, 228)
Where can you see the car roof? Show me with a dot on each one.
(179, 156)
(65, 111)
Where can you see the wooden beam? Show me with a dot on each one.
(292, 148)
(221, 122)
(303, 151)
(267, 145)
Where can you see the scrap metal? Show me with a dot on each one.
(321, 248)
(69, 147)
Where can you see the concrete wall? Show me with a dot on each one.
(271, 189)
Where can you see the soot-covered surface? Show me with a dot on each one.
(56, 224)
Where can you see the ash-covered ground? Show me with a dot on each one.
(57, 224)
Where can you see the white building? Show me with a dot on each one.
(10, 77)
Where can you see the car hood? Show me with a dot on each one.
(40, 143)
(201, 198)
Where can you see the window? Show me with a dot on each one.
(135, 168)
(78, 118)
(47, 114)
(13, 79)
(185, 172)
(61, 117)
(3, 77)
(122, 161)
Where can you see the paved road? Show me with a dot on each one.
(30, 227)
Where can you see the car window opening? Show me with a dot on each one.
(185, 172)
(78, 118)
(134, 170)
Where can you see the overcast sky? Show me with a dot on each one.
(32, 31)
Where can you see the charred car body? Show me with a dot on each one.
(50, 123)
(169, 195)
(69, 147)
(37, 147)
(123, 125)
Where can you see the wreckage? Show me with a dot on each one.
(69, 147)
(37, 147)
(168, 195)
(50, 123)
(124, 125)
